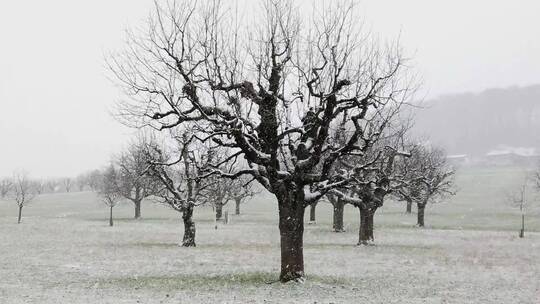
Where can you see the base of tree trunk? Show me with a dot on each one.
(237, 209)
(137, 211)
(366, 243)
(291, 230)
(522, 233)
(189, 243)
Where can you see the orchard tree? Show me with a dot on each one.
(6, 186)
(268, 90)
(426, 177)
(67, 182)
(109, 190)
(338, 209)
(81, 181)
(39, 186)
(134, 185)
(52, 185)
(178, 171)
(23, 191)
(94, 179)
(219, 194)
(520, 199)
(241, 190)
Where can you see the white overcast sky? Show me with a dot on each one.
(55, 99)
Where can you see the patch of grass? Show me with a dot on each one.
(212, 281)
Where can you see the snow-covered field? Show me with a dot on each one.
(64, 252)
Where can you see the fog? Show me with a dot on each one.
(56, 101)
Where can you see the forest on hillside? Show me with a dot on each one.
(476, 123)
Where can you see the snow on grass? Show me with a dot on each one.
(64, 252)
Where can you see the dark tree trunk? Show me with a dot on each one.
(219, 211)
(409, 207)
(291, 230)
(421, 209)
(363, 231)
(137, 209)
(111, 217)
(189, 228)
(339, 208)
(237, 210)
(522, 231)
(20, 215)
(312, 209)
(371, 215)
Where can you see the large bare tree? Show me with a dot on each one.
(268, 89)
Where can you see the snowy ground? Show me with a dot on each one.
(64, 252)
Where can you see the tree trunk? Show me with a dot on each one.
(339, 207)
(409, 207)
(291, 230)
(312, 209)
(371, 215)
(238, 201)
(20, 215)
(421, 209)
(137, 209)
(189, 228)
(363, 231)
(111, 217)
(522, 231)
(219, 211)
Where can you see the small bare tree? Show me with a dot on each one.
(135, 185)
(67, 184)
(179, 174)
(519, 198)
(426, 177)
(6, 185)
(94, 179)
(39, 186)
(241, 190)
(52, 185)
(23, 191)
(109, 190)
(81, 181)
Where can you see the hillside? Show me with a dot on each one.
(476, 123)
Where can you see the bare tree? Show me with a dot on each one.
(6, 185)
(81, 181)
(94, 179)
(67, 184)
(39, 186)
(519, 199)
(426, 177)
(23, 191)
(268, 92)
(219, 194)
(52, 185)
(338, 204)
(109, 190)
(178, 172)
(135, 186)
(241, 190)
